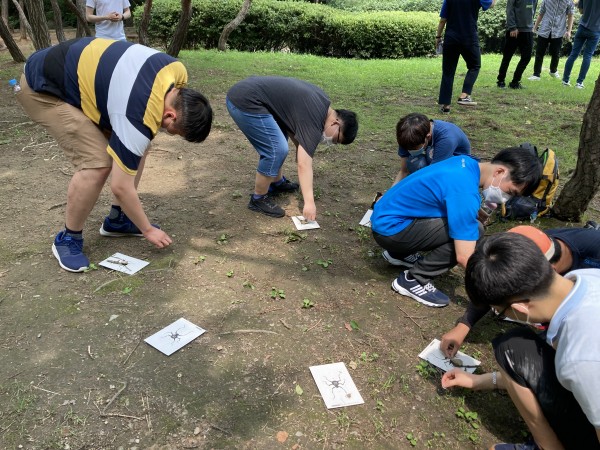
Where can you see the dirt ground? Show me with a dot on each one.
(75, 371)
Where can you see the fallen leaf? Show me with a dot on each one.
(353, 364)
(354, 325)
(282, 436)
(299, 390)
(295, 446)
(348, 327)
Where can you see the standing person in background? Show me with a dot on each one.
(519, 35)
(554, 21)
(108, 18)
(586, 38)
(459, 18)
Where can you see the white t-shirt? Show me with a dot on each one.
(106, 28)
(575, 330)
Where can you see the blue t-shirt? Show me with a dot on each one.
(447, 189)
(447, 140)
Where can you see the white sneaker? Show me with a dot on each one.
(555, 74)
(579, 86)
(534, 78)
(566, 83)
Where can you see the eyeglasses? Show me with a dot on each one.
(337, 139)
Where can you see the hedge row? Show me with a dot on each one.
(303, 27)
(299, 27)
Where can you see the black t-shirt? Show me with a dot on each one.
(300, 108)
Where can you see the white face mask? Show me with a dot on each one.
(493, 195)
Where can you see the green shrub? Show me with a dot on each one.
(301, 27)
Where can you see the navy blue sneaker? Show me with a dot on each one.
(69, 252)
(406, 261)
(529, 445)
(283, 187)
(428, 294)
(120, 227)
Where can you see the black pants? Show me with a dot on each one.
(424, 235)
(529, 361)
(523, 42)
(453, 50)
(543, 43)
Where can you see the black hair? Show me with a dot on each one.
(195, 113)
(411, 130)
(525, 167)
(349, 125)
(505, 268)
(557, 250)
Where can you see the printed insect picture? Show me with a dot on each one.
(434, 355)
(302, 224)
(124, 263)
(175, 336)
(335, 385)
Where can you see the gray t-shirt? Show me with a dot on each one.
(300, 108)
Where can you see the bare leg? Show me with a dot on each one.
(83, 192)
(532, 414)
(262, 183)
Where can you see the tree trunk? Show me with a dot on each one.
(58, 26)
(585, 182)
(144, 23)
(81, 20)
(39, 26)
(24, 26)
(13, 48)
(4, 7)
(228, 29)
(182, 29)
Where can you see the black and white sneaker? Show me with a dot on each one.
(428, 294)
(466, 101)
(266, 205)
(407, 261)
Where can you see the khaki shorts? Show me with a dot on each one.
(82, 140)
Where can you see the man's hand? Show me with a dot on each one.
(310, 211)
(453, 340)
(459, 378)
(568, 36)
(514, 33)
(158, 237)
(114, 16)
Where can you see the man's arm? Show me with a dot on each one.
(538, 21)
(464, 250)
(453, 339)
(305, 176)
(403, 170)
(123, 188)
(92, 18)
(511, 19)
(569, 27)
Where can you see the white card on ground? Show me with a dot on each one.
(336, 385)
(366, 220)
(434, 355)
(303, 224)
(124, 263)
(173, 337)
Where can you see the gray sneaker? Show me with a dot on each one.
(266, 205)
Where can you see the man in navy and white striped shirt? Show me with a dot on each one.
(104, 101)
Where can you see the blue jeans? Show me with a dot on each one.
(588, 40)
(266, 137)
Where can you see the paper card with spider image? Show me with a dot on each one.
(366, 220)
(303, 224)
(335, 385)
(173, 337)
(124, 263)
(432, 354)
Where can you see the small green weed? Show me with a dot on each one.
(277, 293)
(248, 285)
(365, 356)
(354, 325)
(230, 274)
(307, 303)
(91, 267)
(236, 194)
(471, 417)
(387, 384)
(412, 439)
(380, 406)
(325, 263)
(293, 236)
(127, 290)
(363, 233)
(426, 370)
(200, 259)
(223, 239)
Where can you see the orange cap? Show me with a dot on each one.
(541, 239)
